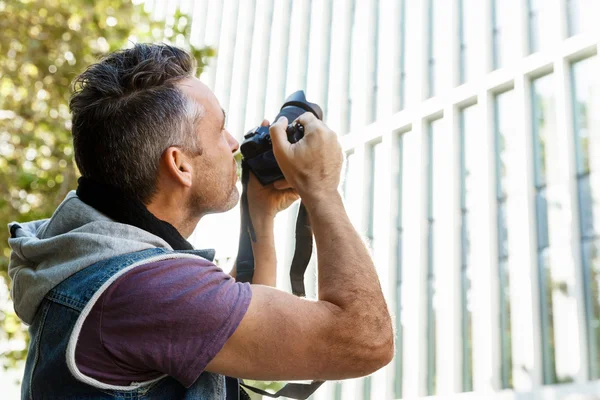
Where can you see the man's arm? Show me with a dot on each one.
(265, 257)
(348, 331)
(264, 202)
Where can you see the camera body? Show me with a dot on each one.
(257, 148)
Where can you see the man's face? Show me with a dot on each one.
(215, 172)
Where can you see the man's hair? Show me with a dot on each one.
(127, 110)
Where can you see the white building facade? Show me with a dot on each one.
(471, 129)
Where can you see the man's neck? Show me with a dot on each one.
(174, 215)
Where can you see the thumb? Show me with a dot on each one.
(281, 144)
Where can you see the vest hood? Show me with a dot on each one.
(48, 251)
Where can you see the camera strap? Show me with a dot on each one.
(245, 273)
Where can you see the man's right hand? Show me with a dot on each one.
(312, 165)
(346, 333)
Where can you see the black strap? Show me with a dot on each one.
(244, 265)
(300, 391)
(303, 252)
(245, 271)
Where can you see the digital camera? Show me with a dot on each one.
(257, 148)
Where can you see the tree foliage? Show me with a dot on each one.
(44, 44)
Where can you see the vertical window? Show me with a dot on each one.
(366, 388)
(346, 118)
(582, 15)
(504, 34)
(435, 44)
(378, 212)
(258, 75)
(401, 168)
(467, 24)
(374, 46)
(399, 94)
(337, 392)
(540, 29)
(364, 64)
(586, 112)
(278, 58)
(340, 48)
(300, 26)
(507, 172)
(470, 160)
(556, 270)
(319, 55)
(439, 170)
(352, 191)
(376, 235)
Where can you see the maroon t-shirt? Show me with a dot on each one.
(167, 317)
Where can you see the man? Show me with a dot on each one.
(121, 306)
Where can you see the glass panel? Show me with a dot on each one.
(471, 189)
(557, 286)
(374, 385)
(540, 25)
(583, 15)
(398, 375)
(510, 162)
(559, 316)
(399, 312)
(352, 191)
(400, 70)
(431, 334)
(379, 212)
(346, 126)
(470, 20)
(591, 263)
(363, 63)
(589, 205)
(440, 169)
(508, 144)
(541, 207)
(337, 394)
(547, 154)
(586, 114)
(441, 161)
(553, 230)
(504, 33)
(589, 209)
(522, 354)
(436, 45)
(472, 159)
(586, 106)
(505, 326)
(467, 329)
(464, 236)
(366, 388)
(502, 232)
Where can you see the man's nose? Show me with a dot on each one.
(232, 143)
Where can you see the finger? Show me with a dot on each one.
(309, 122)
(281, 144)
(265, 122)
(307, 118)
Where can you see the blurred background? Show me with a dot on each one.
(470, 129)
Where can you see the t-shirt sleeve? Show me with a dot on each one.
(171, 316)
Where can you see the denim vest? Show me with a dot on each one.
(50, 370)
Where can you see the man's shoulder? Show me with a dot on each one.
(166, 272)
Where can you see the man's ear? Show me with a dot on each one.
(176, 166)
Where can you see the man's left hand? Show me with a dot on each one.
(266, 201)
